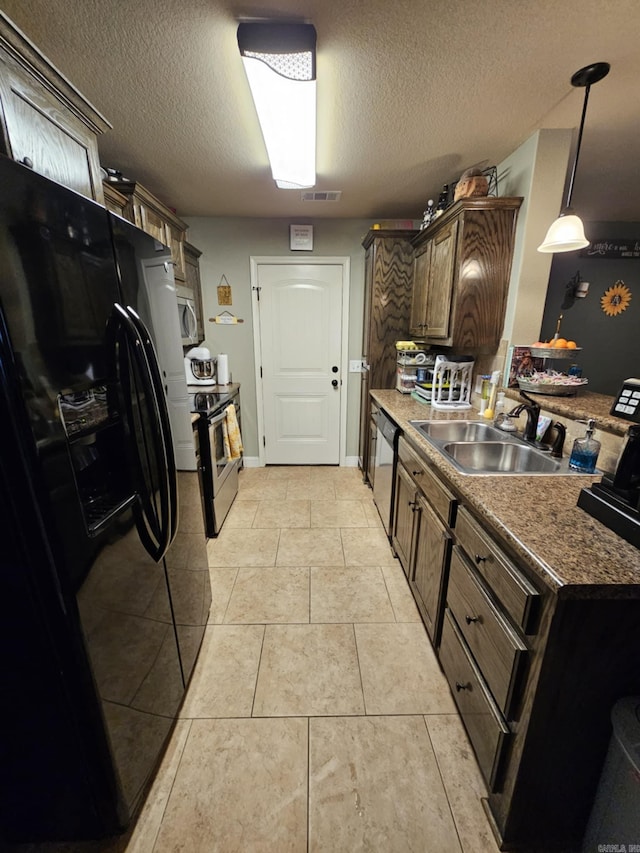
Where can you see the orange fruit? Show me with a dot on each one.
(572, 345)
(560, 343)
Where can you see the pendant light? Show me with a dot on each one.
(566, 234)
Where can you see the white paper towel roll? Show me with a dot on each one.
(223, 369)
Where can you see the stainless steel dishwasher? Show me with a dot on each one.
(384, 469)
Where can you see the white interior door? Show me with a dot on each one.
(300, 309)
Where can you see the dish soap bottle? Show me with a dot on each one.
(584, 453)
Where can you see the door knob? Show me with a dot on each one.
(334, 382)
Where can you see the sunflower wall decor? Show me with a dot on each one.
(616, 299)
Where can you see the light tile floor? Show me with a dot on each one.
(317, 718)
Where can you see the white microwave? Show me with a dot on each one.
(187, 318)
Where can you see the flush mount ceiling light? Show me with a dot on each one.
(280, 63)
(566, 234)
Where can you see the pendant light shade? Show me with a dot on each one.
(566, 234)
(280, 64)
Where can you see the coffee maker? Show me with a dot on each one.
(615, 500)
(200, 367)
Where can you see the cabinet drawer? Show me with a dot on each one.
(485, 726)
(517, 595)
(440, 498)
(498, 650)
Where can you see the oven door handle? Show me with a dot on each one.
(218, 419)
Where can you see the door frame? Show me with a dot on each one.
(343, 261)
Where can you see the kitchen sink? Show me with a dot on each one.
(474, 447)
(458, 430)
(499, 457)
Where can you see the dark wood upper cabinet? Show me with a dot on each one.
(45, 123)
(461, 275)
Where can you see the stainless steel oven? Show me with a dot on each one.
(218, 473)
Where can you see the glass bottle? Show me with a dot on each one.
(584, 453)
(443, 200)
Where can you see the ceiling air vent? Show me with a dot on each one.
(324, 195)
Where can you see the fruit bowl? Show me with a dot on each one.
(552, 389)
(553, 352)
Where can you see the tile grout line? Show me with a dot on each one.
(364, 700)
(173, 782)
(444, 784)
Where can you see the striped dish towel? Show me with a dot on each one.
(231, 434)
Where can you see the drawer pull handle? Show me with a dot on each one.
(417, 473)
(460, 687)
(479, 559)
(470, 619)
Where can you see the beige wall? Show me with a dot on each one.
(536, 171)
(227, 246)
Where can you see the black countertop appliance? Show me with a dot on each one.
(615, 500)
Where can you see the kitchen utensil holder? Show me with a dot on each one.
(452, 384)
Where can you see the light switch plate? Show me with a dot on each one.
(355, 365)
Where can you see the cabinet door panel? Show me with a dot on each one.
(403, 517)
(175, 241)
(57, 143)
(441, 279)
(431, 563)
(420, 287)
(151, 223)
(192, 281)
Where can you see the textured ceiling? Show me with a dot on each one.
(409, 94)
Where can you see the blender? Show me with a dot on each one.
(200, 367)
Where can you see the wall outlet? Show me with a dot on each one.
(355, 365)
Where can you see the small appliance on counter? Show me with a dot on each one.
(199, 367)
(615, 500)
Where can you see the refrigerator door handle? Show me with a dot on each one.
(153, 526)
(163, 420)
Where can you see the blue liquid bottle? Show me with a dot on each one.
(584, 454)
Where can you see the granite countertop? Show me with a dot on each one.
(536, 516)
(586, 404)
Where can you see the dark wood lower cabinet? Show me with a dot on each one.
(403, 518)
(487, 730)
(430, 566)
(534, 670)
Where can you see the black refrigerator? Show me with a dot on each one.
(104, 585)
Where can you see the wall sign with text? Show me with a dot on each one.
(301, 238)
(612, 249)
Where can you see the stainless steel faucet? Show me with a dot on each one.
(533, 413)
